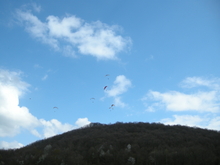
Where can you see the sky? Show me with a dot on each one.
(159, 61)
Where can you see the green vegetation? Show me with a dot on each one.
(122, 144)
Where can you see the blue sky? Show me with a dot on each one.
(161, 57)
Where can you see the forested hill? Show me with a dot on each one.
(122, 144)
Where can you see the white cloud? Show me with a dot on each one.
(176, 101)
(208, 122)
(204, 102)
(68, 51)
(152, 107)
(11, 79)
(53, 127)
(63, 27)
(36, 28)
(10, 145)
(120, 86)
(188, 120)
(97, 39)
(35, 133)
(201, 100)
(214, 123)
(119, 103)
(82, 122)
(13, 117)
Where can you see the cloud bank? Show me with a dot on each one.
(72, 35)
(177, 101)
(205, 101)
(10, 145)
(13, 117)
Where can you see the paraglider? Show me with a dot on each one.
(111, 107)
(105, 87)
(92, 99)
(107, 75)
(55, 108)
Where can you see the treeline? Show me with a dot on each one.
(122, 144)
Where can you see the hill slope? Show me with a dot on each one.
(121, 144)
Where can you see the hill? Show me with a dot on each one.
(122, 144)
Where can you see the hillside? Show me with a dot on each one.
(121, 144)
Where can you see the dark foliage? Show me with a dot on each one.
(122, 144)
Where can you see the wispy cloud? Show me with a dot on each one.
(36, 7)
(191, 82)
(96, 38)
(120, 86)
(45, 77)
(118, 102)
(37, 66)
(151, 57)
